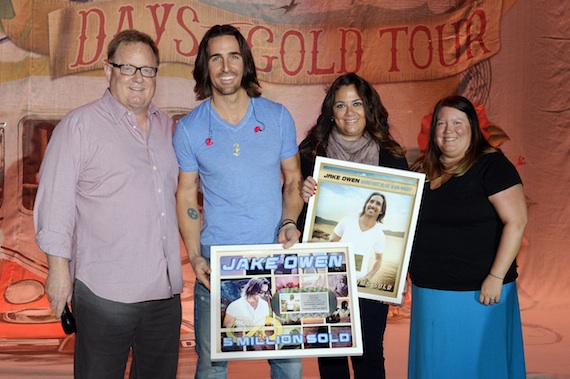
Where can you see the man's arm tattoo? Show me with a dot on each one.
(192, 213)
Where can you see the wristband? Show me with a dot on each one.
(495, 276)
(284, 223)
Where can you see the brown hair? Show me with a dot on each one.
(131, 36)
(376, 117)
(249, 82)
(382, 211)
(429, 162)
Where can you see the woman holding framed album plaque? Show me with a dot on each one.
(353, 126)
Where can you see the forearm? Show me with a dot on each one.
(509, 247)
(229, 321)
(188, 212)
(190, 226)
(292, 204)
(292, 184)
(292, 201)
(58, 283)
(375, 267)
(511, 206)
(288, 234)
(189, 223)
(506, 253)
(58, 267)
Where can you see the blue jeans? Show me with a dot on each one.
(280, 368)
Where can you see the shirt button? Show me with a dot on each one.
(159, 190)
(154, 167)
(162, 214)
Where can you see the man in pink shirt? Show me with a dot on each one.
(105, 216)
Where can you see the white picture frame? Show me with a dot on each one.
(324, 319)
(342, 189)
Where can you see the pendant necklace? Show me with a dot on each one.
(209, 141)
(236, 146)
(236, 149)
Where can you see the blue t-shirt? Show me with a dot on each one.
(242, 194)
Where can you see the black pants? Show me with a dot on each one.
(107, 330)
(373, 316)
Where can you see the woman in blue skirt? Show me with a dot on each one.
(465, 319)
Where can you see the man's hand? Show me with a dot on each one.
(58, 284)
(201, 270)
(289, 235)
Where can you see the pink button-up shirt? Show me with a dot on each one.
(106, 201)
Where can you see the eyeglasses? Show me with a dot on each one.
(130, 70)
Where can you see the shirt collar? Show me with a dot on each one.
(117, 110)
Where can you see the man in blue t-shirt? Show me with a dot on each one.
(240, 150)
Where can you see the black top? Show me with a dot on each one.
(459, 230)
(308, 166)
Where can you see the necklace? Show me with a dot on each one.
(236, 147)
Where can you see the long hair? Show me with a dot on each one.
(254, 286)
(376, 117)
(430, 163)
(382, 210)
(128, 37)
(249, 82)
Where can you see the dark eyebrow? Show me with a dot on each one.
(230, 53)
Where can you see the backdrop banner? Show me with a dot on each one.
(389, 49)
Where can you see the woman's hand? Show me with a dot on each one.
(309, 188)
(491, 290)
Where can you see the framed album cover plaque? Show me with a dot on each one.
(271, 302)
(376, 210)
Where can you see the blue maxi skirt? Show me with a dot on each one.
(452, 335)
